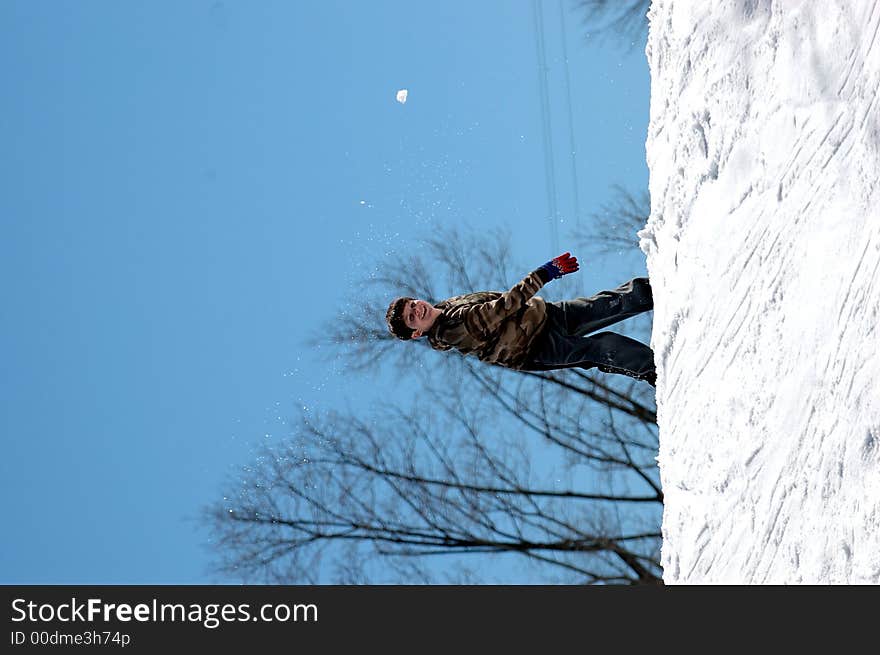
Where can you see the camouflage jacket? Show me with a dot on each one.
(499, 328)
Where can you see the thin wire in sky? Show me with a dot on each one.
(571, 139)
(549, 170)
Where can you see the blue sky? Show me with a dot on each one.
(191, 189)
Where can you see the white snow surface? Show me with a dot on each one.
(763, 248)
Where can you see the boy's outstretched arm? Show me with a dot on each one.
(487, 316)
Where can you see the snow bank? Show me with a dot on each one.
(763, 248)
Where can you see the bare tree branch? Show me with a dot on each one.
(614, 225)
(621, 22)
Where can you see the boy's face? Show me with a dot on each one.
(417, 316)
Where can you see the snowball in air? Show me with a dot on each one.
(401, 96)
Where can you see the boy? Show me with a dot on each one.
(520, 330)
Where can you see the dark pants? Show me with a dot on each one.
(565, 344)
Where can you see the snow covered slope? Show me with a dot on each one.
(763, 248)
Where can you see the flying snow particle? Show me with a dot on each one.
(401, 96)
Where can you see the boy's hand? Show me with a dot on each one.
(559, 266)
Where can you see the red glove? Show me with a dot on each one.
(559, 266)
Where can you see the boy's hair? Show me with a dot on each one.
(394, 318)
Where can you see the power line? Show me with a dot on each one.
(549, 169)
(571, 139)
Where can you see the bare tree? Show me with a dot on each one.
(622, 21)
(613, 227)
(402, 487)
(554, 469)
